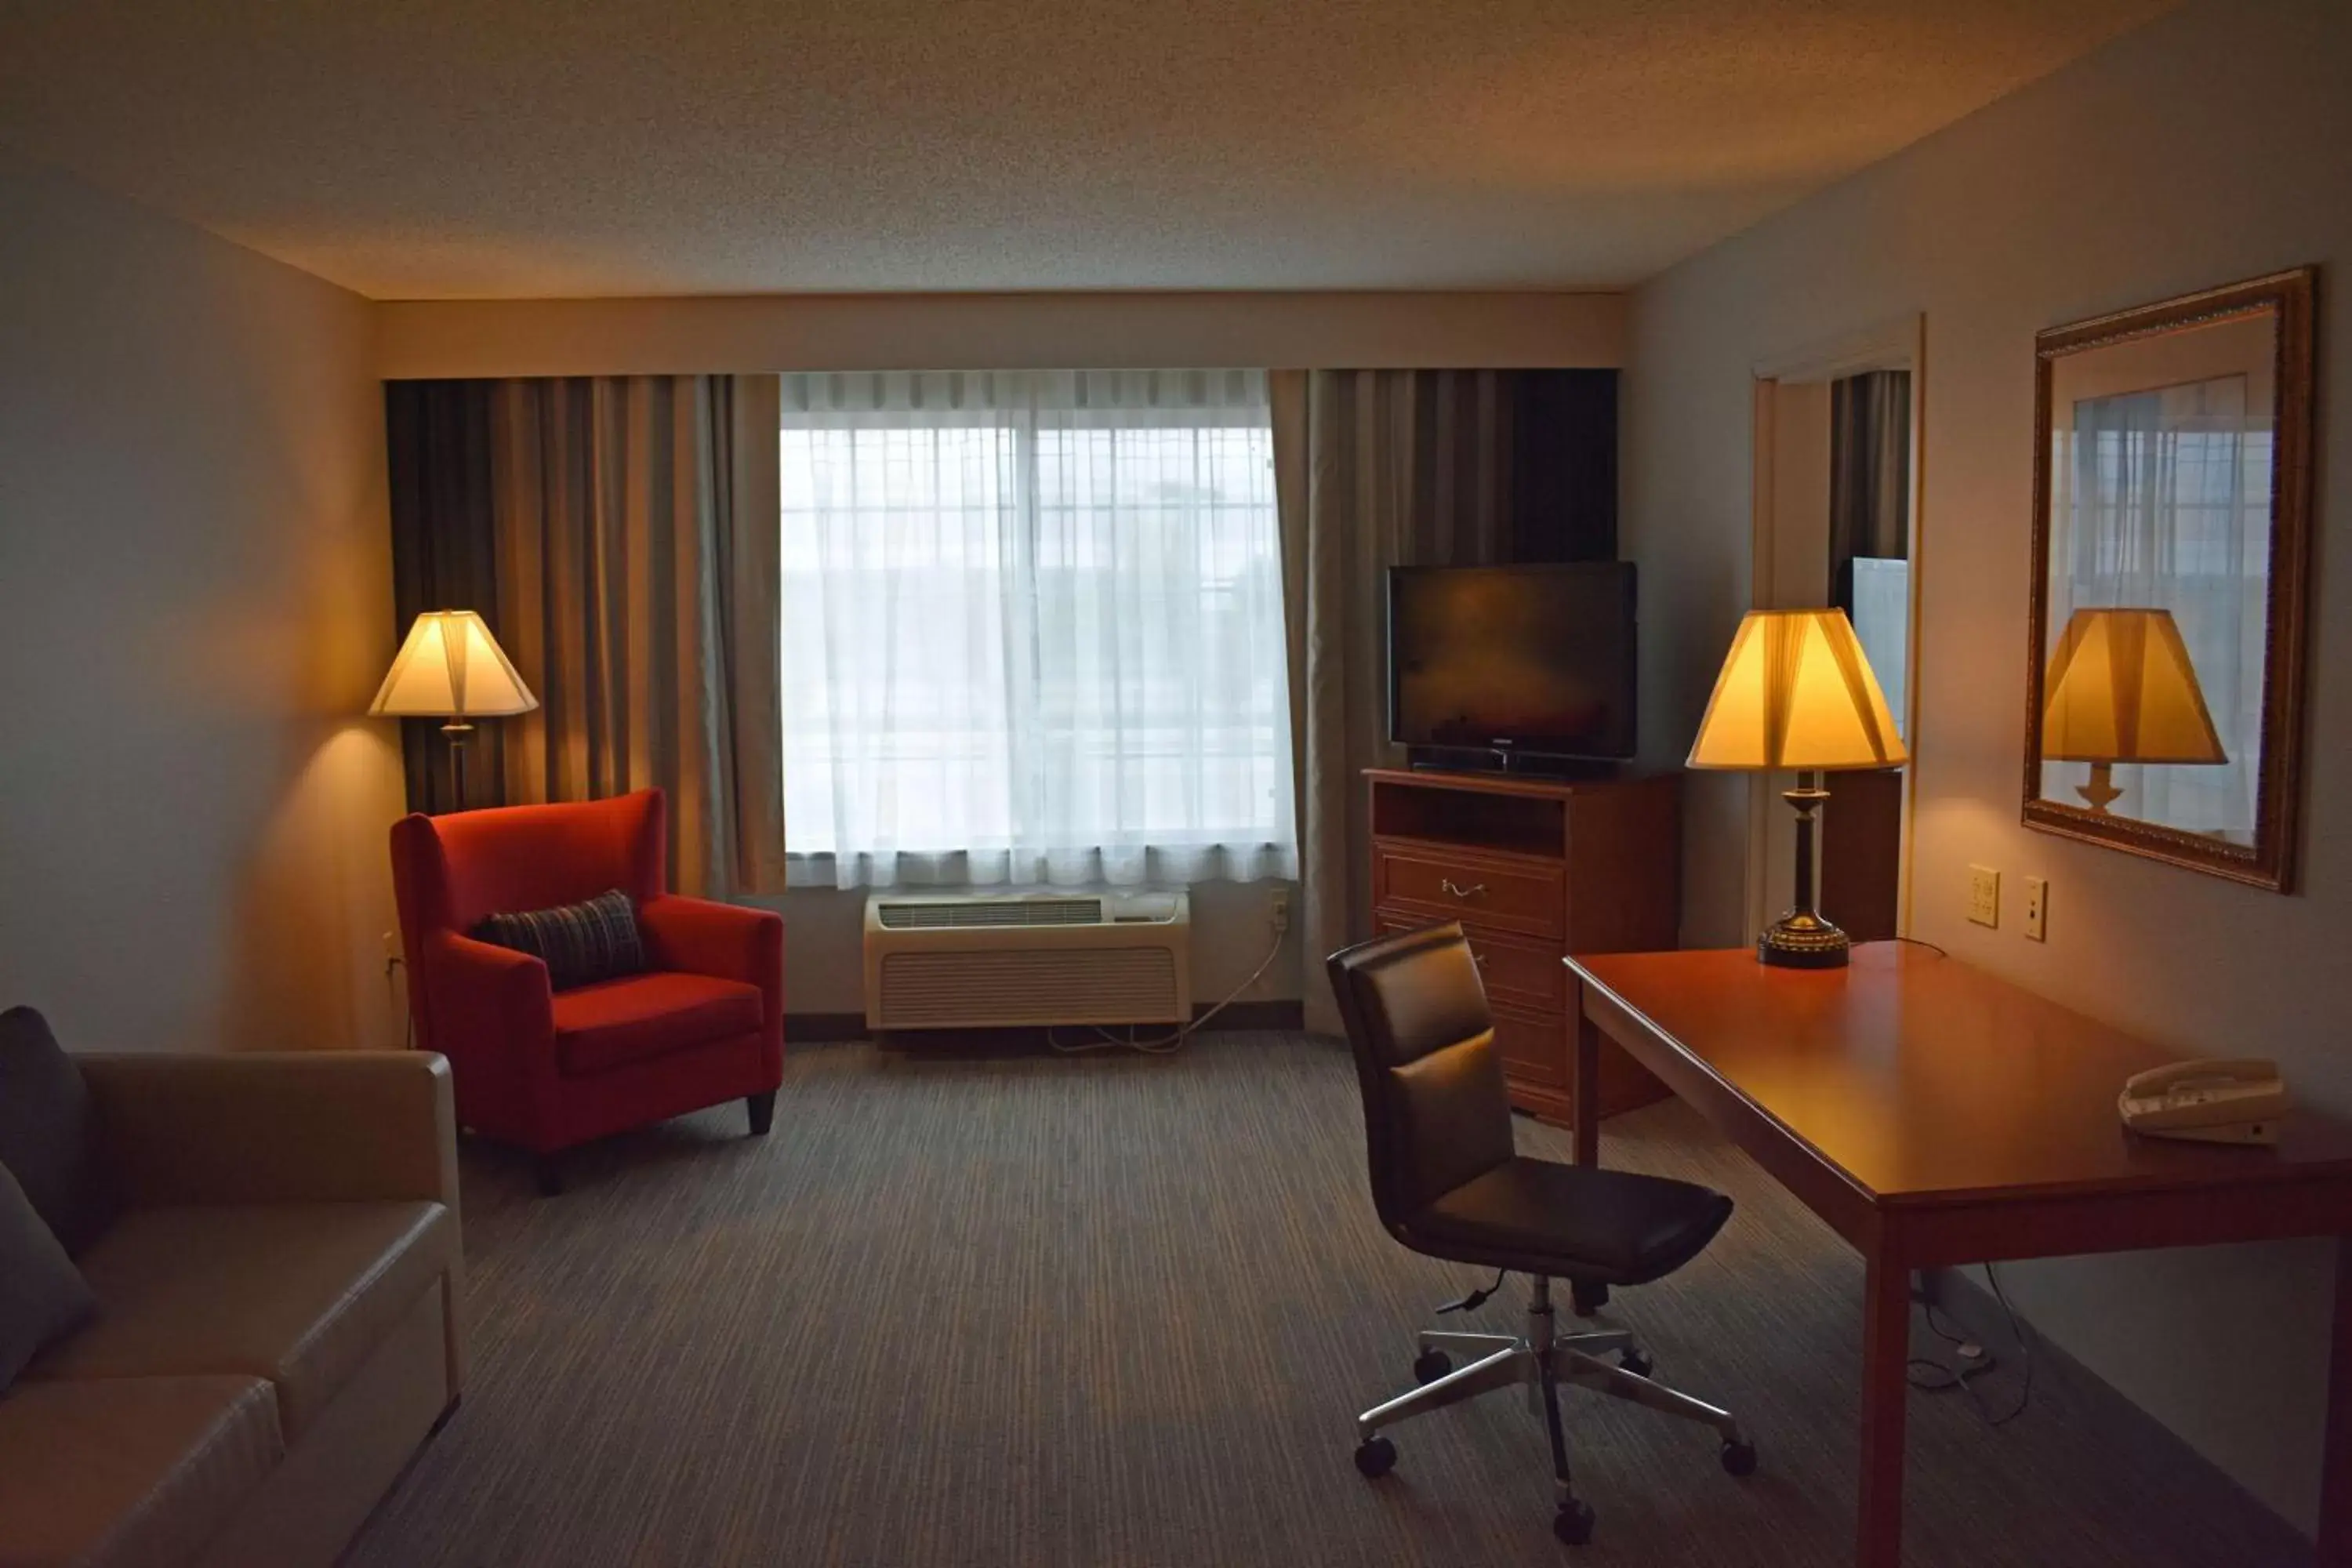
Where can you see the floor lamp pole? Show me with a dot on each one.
(456, 730)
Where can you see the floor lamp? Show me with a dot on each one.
(1796, 694)
(451, 668)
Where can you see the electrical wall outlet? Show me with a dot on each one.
(2037, 909)
(1984, 895)
(1278, 909)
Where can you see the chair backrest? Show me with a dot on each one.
(1436, 1113)
(449, 872)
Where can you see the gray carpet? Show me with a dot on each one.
(1121, 1310)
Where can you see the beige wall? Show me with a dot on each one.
(194, 606)
(2215, 144)
(959, 332)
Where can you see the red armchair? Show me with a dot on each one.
(547, 1069)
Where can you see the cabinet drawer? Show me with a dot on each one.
(1529, 977)
(1528, 900)
(1534, 1047)
(1515, 972)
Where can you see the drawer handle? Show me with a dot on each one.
(1476, 890)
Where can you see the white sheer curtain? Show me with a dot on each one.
(1033, 629)
(2163, 503)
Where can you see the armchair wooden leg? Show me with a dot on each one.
(763, 1108)
(551, 1175)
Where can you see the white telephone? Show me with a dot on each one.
(2210, 1101)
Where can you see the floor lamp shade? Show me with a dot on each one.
(451, 668)
(1796, 693)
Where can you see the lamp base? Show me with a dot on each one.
(1801, 939)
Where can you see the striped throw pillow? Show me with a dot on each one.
(583, 942)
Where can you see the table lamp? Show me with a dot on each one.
(2121, 689)
(1796, 693)
(452, 668)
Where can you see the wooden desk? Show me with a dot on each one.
(1934, 1115)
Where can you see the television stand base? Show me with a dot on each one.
(1510, 763)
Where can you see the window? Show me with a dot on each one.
(1033, 629)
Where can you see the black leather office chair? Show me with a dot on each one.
(1448, 1183)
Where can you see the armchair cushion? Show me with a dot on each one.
(615, 1022)
(49, 1134)
(593, 939)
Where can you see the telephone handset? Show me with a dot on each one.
(2210, 1101)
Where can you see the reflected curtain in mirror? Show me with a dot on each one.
(1869, 521)
(2160, 501)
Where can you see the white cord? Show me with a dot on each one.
(399, 994)
(1169, 1045)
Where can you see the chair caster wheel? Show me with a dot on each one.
(1635, 1361)
(1375, 1457)
(1740, 1458)
(1430, 1366)
(1573, 1523)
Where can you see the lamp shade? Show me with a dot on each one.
(451, 668)
(1796, 693)
(2121, 689)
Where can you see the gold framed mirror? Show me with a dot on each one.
(2171, 549)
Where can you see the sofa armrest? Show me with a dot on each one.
(276, 1126)
(727, 942)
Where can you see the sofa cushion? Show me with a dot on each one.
(620, 1021)
(580, 943)
(129, 1472)
(42, 1295)
(48, 1133)
(297, 1293)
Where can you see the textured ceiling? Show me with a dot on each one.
(495, 148)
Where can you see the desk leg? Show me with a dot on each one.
(1886, 1347)
(1584, 1089)
(2335, 1455)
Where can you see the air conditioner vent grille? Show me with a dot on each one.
(965, 913)
(932, 990)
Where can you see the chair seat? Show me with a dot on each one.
(615, 1022)
(1611, 1228)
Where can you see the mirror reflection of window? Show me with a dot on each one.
(1870, 523)
(2160, 501)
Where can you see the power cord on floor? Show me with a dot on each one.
(1932, 1376)
(1169, 1044)
(1477, 1298)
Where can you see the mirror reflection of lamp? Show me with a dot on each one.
(2121, 689)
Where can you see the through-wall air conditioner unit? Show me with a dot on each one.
(982, 960)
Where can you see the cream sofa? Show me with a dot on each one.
(278, 1323)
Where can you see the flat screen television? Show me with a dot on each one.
(1511, 661)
